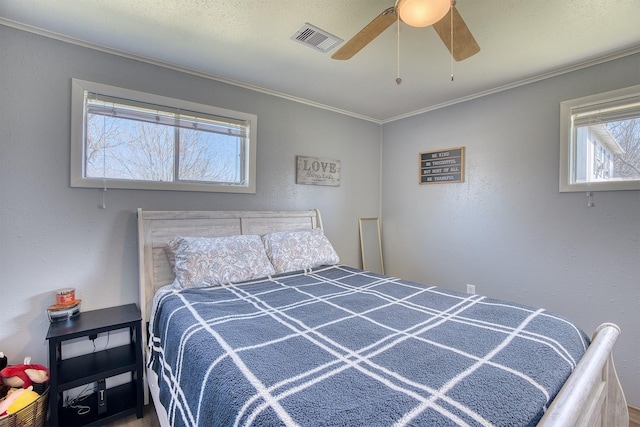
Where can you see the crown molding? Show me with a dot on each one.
(175, 67)
(129, 55)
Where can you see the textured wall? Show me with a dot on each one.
(54, 236)
(507, 229)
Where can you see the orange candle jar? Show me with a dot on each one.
(65, 296)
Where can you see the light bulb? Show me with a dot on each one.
(422, 13)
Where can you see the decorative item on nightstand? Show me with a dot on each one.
(66, 306)
(65, 296)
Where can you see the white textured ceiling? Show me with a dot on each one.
(248, 42)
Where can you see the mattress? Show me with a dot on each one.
(337, 346)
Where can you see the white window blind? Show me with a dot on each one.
(607, 112)
(134, 110)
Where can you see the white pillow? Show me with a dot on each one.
(215, 261)
(299, 250)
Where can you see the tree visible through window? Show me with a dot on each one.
(608, 152)
(135, 143)
(600, 142)
(627, 134)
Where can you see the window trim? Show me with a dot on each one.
(567, 145)
(77, 178)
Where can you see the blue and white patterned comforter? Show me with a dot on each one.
(337, 346)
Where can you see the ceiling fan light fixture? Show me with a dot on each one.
(422, 13)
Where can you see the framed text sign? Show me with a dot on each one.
(442, 166)
(317, 171)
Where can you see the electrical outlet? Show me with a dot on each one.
(471, 289)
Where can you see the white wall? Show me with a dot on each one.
(507, 229)
(54, 236)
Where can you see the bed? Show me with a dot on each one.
(328, 344)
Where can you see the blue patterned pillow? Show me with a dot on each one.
(299, 250)
(215, 261)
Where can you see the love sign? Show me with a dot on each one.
(317, 171)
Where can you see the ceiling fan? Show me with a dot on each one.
(441, 14)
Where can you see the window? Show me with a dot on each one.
(600, 142)
(128, 139)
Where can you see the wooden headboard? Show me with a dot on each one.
(156, 228)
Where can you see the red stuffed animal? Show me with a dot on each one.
(23, 376)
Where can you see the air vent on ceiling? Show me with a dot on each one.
(316, 38)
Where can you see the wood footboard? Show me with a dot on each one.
(592, 396)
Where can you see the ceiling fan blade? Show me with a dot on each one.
(464, 45)
(366, 35)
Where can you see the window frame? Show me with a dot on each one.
(568, 148)
(77, 166)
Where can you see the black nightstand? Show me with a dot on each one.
(122, 400)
